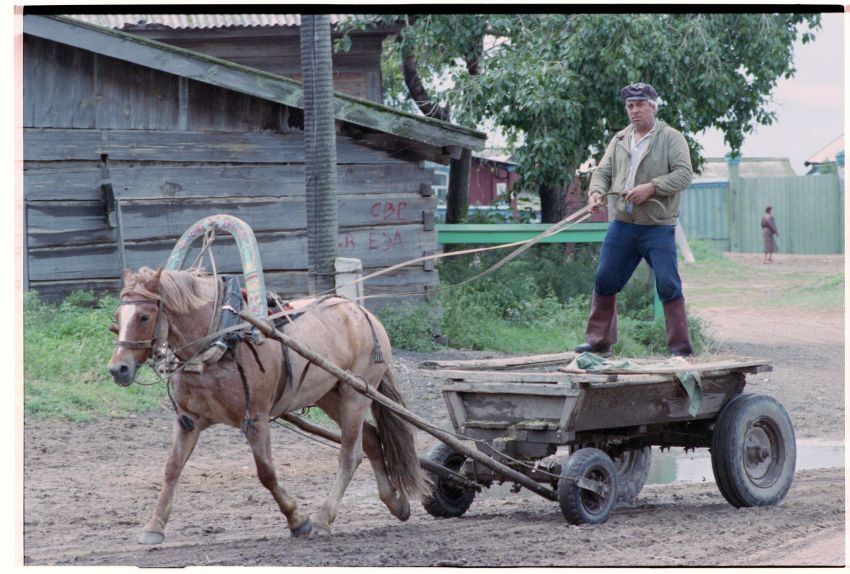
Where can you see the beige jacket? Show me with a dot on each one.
(666, 163)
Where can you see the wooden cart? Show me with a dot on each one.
(608, 420)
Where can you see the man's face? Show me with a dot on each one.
(641, 114)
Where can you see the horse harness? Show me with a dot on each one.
(225, 318)
(145, 343)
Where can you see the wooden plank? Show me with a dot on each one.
(134, 97)
(279, 251)
(232, 76)
(212, 108)
(501, 363)
(186, 146)
(540, 389)
(489, 377)
(83, 222)
(741, 364)
(58, 88)
(613, 406)
(62, 180)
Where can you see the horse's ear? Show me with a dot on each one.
(127, 274)
(152, 284)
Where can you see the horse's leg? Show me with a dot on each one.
(182, 445)
(389, 495)
(350, 407)
(260, 440)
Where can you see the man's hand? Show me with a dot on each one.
(595, 201)
(640, 193)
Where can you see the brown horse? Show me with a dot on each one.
(175, 308)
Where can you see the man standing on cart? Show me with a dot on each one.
(645, 167)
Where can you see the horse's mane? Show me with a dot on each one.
(180, 291)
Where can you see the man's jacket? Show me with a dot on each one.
(666, 163)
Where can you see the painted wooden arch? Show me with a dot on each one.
(246, 243)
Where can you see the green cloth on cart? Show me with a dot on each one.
(690, 381)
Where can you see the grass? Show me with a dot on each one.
(762, 286)
(66, 350)
(535, 304)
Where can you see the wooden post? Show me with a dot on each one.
(732, 206)
(360, 386)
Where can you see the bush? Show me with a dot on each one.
(537, 303)
(409, 327)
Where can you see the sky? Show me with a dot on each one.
(810, 105)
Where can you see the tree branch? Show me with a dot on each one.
(420, 96)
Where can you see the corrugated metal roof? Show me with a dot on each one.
(828, 153)
(717, 169)
(197, 21)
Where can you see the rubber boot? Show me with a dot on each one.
(601, 330)
(676, 322)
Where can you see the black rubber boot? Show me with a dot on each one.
(601, 330)
(676, 322)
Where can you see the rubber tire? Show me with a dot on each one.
(753, 419)
(578, 505)
(446, 500)
(632, 471)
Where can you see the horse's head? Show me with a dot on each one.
(139, 322)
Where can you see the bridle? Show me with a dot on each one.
(146, 343)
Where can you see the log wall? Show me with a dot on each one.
(103, 137)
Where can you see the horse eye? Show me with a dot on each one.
(144, 318)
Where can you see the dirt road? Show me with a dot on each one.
(90, 487)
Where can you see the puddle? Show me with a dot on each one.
(695, 466)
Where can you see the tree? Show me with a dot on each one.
(551, 82)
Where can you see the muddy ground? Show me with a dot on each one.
(90, 487)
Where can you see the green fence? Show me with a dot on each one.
(809, 212)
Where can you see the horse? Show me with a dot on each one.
(161, 309)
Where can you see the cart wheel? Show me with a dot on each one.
(446, 499)
(587, 489)
(753, 453)
(632, 471)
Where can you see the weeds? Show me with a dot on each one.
(66, 349)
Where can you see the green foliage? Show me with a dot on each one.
(409, 326)
(537, 303)
(66, 349)
(551, 82)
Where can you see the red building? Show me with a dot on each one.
(490, 179)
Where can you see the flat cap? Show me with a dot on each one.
(638, 91)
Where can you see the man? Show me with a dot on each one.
(643, 170)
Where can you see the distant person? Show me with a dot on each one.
(645, 167)
(768, 230)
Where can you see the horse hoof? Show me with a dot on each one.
(305, 529)
(320, 529)
(151, 537)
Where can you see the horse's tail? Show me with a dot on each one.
(396, 436)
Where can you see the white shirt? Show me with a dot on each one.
(638, 148)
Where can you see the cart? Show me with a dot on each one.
(607, 421)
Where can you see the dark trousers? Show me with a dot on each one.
(625, 245)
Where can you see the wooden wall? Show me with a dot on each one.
(278, 50)
(174, 151)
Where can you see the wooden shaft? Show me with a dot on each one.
(330, 435)
(360, 386)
